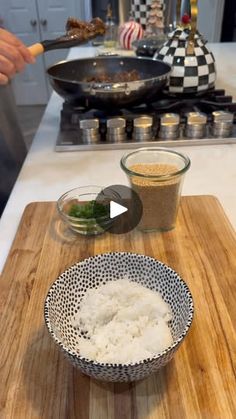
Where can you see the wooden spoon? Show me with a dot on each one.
(77, 32)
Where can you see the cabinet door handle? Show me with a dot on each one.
(33, 22)
(43, 22)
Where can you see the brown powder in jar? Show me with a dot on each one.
(160, 197)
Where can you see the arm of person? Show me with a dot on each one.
(14, 55)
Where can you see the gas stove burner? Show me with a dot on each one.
(212, 98)
(208, 118)
(210, 101)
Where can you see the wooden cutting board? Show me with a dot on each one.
(36, 380)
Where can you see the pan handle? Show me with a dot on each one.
(110, 87)
(36, 49)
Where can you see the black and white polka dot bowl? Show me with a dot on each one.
(64, 297)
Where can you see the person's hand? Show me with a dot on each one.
(13, 56)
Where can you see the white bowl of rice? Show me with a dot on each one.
(119, 316)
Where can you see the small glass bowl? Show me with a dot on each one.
(82, 195)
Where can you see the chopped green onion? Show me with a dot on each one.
(91, 209)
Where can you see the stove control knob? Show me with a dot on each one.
(90, 130)
(116, 130)
(196, 125)
(222, 123)
(89, 124)
(143, 128)
(169, 126)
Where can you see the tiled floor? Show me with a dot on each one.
(29, 118)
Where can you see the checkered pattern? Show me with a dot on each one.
(140, 11)
(191, 73)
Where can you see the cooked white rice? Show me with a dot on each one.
(124, 321)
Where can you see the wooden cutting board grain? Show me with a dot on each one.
(36, 381)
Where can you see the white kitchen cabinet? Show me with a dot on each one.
(34, 21)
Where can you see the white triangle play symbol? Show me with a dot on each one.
(116, 209)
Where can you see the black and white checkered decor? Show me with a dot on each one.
(140, 11)
(191, 73)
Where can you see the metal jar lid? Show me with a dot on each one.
(196, 125)
(169, 126)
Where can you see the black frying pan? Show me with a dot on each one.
(68, 80)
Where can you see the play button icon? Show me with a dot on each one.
(125, 208)
(116, 209)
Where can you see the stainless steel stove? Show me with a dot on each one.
(170, 121)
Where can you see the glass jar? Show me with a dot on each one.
(156, 175)
(110, 37)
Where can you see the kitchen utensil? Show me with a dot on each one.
(193, 64)
(77, 33)
(66, 292)
(68, 78)
(58, 43)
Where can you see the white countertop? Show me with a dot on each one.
(47, 174)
